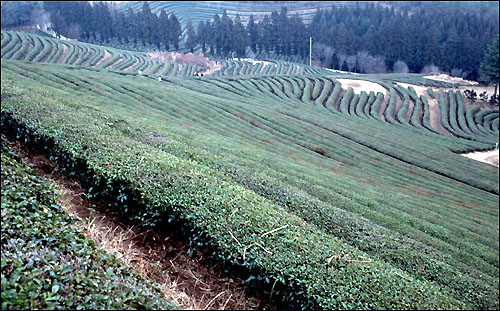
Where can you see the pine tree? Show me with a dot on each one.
(283, 33)
(489, 68)
(175, 31)
(201, 36)
(241, 39)
(191, 37)
(215, 35)
(226, 34)
(253, 33)
(265, 34)
(164, 25)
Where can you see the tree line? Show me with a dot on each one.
(99, 22)
(367, 38)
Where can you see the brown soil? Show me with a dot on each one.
(148, 67)
(410, 111)
(103, 59)
(63, 54)
(44, 59)
(28, 49)
(192, 282)
(136, 62)
(383, 106)
(157, 72)
(435, 117)
(117, 63)
(89, 57)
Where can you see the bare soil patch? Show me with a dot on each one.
(419, 89)
(435, 117)
(447, 78)
(148, 67)
(63, 54)
(490, 157)
(362, 85)
(107, 55)
(28, 50)
(134, 64)
(117, 63)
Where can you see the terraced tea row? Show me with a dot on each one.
(397, 106)
(233, 157)
(47, 261)
(197, 11)
(34, 48)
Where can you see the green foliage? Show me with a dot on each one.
(228, 159)
(489, 68)
(48, 265)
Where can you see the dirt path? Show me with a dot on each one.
(383, 106)
(434, 110)
(450, 79)
(490, 157)
(192, 282)
(117, 63)
(89, 57)
(63, 54)
(435, 117)
(106, 57)
(157, 72)
(28, 50)
(148, 67)
(135, 63)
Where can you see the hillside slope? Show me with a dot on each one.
(293, 177)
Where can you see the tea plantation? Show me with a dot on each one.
(48, 265)
(335, 199)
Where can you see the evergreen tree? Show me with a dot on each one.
(191, 37)
(489, 68)
(226, 36)
(241, 39)
(274, 36)
(175, 31)
(202, 36)
(164, 25)
(283, 38)
(266, 34)
(145, 24)
(216, 35)
(131, 25)
(253, 33)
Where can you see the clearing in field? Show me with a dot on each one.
(362, 85)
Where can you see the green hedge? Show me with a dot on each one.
(48, 265)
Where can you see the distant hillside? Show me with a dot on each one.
(197, 11)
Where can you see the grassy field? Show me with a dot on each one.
(340, 200)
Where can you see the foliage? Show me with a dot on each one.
(48, 265)
(229, 159)
(489, 70)
(471, 95)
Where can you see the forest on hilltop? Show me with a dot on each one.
(365, 38)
